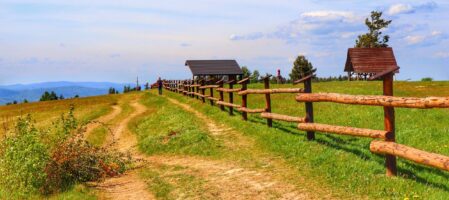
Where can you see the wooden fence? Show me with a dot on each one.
(385, 143)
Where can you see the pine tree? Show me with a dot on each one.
(25, 101)
(301, 68)
(246, 72)
(255, 77)
(374, 38)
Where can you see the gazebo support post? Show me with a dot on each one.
(389, 121)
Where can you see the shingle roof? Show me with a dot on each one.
(370, 60)
(214, 67)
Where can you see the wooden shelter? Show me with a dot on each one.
(214, 69)
(364, 63)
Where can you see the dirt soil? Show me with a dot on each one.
(225, 180)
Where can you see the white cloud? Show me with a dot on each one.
(425, 39)
(442, 54)
(414, 39)
(397, 9)
(331, 16)
(400, 9)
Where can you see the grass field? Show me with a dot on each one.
(346, 162)
(341, 164)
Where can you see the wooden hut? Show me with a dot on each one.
(363, 63)
(214, 69)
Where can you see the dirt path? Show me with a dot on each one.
(230, 180)
(128, 185)
(223, 179)
(116, 110)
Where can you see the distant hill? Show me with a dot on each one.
(33, 92)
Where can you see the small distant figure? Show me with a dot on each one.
(159, 85)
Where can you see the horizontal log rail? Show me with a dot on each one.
(303, 79)
(229, 90)
(376, 100)
(247, 110)
(287, 118)
(271, 91)
(213, 98)
(409, 153)
(209, 86)
(228, 104)
(243, 81)
(195, 85)
(343, 130)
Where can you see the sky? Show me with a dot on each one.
(108, 40)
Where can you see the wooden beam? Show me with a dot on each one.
(247, 110)
(376, 100)
(228, 104)
(209, 86)
(409, 153)
(303, 79)
(228, 90)
(245, 80)
(271, 91)
(283, 117)
(343, 130)
(381, 74)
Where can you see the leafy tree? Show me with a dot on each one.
(255, 76)
(76, 96)
(25, 101)
(301, 68)
(246, 72)
(374, 38)
(14, 102)
(147, 86)
(427, 79)
(61, 97)
(112, 90)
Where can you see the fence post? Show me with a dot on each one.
(220, 83)
(309, 107)
(244, 100)
(212, 96)
(389, 121)
(231, 97)
(203, 91)
(197, 89)
(266, 82)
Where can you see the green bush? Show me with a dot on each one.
(46, 161)
(23, 158)
(427, 79)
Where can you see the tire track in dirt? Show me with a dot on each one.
(103, 120)
(230, 180)
(127, 185)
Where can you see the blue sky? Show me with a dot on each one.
(107, 40)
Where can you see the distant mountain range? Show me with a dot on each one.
(33, 92)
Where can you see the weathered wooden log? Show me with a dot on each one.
(245, 80)
(410, 153)
(195, 85)
(209, 86)
(376, 100)
(248, 110)
(228, 90)
(213, 98)
(287, 118)
(303, 79)
(271, 91)
(228, 104)
(343, 130)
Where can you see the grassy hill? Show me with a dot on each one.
(340, 164)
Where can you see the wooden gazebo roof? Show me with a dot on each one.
(370, 60)
(214, 67)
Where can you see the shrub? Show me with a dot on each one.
(33, 160)
(74, 160)
(427, 79)
(23, 158)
